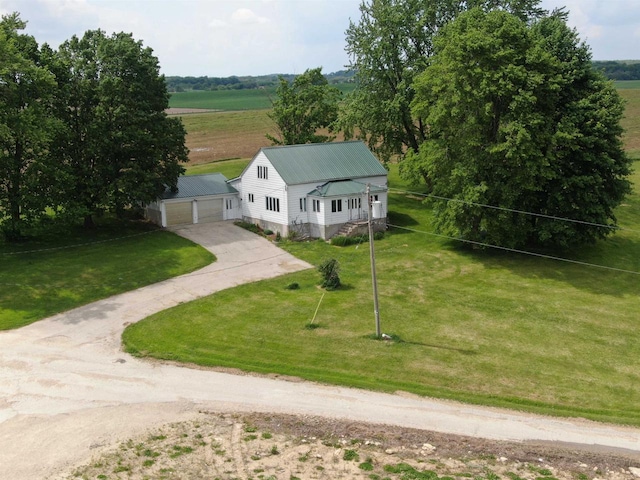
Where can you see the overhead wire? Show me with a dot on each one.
(515, 250)
(512, 210)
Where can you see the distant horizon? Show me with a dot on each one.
(247, 37)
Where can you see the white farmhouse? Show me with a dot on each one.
(312, 189)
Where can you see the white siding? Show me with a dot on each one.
(273, 186)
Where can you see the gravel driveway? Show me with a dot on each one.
(67, 389)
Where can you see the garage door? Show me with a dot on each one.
(178, 213)
(210, 210)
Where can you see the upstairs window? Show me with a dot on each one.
(263, 172)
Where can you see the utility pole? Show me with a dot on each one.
(372, 254)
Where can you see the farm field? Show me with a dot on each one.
(484, 327)
(232, 100)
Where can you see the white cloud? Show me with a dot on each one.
(217, 23)
(248, 17)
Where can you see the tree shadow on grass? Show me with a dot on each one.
(610, 267)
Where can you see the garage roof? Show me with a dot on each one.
(190, 186)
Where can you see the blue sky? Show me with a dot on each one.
(255, 37)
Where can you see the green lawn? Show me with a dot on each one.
(57, 272)
(484, 327)
(229, 168)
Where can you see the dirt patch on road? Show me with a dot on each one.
(258, 446)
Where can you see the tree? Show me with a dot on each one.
(393, 42)
(303, 107)
(519, 120)
(330, 271)
(117, 147)
(26, 124)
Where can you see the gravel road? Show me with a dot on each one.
(67, 389)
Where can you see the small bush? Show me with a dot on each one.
(252, 227)
(278, 237)
(293, 286)
(268, 232)
(342, 241)
(350, 455)
(330, 270)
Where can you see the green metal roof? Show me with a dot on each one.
(344, 187)
(322, 162)
(200, 186)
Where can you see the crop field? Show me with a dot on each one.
(232, 100)
(627, 84)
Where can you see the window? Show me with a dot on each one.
(250, 198)
(316, 206)
(336, 205)
(263, 172)
(303, 204)
(273, 204)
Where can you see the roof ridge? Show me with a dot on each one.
(275, 147)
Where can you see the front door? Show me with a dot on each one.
(355, 208)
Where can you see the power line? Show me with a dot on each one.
(523, 212)
(514, 250)
(80, 244)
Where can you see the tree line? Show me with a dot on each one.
(619, 70)
(493, 106)
(185, 84)
(83, 129)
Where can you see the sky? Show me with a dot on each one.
(220, 38)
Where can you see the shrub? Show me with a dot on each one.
(268, 232)
(248, 226)
(342, 241)
(330, 269)
(293, 286)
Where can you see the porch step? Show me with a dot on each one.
(347, 229)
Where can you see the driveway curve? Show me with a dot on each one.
(67, 389)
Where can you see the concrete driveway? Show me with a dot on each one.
(67, 389)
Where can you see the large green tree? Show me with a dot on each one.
(519, 120)
(26, 88)
(303, 107)
(391, 43)
(118, 147)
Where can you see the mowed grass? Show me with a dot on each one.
(60, 271)
(229, 168)
(484, 327)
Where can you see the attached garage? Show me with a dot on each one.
(178, 213)
(210, 210)
(197, 199)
